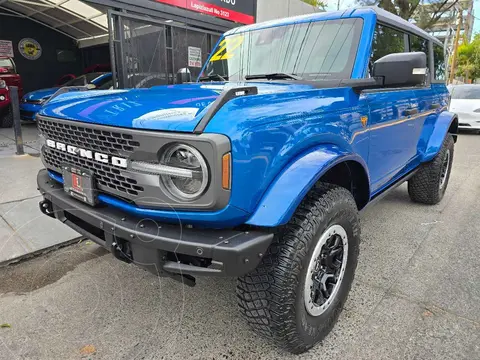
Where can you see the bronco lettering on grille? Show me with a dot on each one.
(88, 154)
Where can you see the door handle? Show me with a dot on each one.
(411, 111)
(435, 106)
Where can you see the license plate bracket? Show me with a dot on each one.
(79, 183)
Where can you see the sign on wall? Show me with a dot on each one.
(241, 11)
(6, 48)
(30, 48)
(194, 57)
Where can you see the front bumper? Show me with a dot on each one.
(468, 121)
(467, 126)
(154, 245)
(29, 111)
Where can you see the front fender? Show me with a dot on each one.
(434, 133)
(289, 188)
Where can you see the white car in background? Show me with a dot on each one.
(466, 104)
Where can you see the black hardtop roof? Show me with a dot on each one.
(396, 21)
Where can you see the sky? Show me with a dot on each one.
(332, 5)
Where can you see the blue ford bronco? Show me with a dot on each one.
(259, 168)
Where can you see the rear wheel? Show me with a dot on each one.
(429, 184)
(6, 118)
(294, 297)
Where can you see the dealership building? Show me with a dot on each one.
(143, 42)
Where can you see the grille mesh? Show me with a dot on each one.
(108, 142)
(106, 176)
(109, 178)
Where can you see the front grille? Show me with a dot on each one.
(108, 142)
(26, 114)
(35, 102)
(109, 178)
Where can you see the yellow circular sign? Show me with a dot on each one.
(30, 48)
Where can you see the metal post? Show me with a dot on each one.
(17, 127)
(111, 43)
(455, 47)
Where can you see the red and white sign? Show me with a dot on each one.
(194, 57)
(209, 7)
(6, 48)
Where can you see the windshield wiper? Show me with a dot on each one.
(212, 77)
(273, 76)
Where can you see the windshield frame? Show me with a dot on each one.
(358, 40)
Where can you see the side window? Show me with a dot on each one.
(418, 44)
(386, 41)
(421, 45)
(438, 62)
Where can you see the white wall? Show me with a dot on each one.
(277, 9)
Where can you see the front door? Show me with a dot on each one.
(391, 126)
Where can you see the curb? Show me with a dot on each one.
(40, 252)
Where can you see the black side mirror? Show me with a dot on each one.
(184, 76)
(401, 69)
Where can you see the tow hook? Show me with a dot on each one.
(46, 207)
(122, 252)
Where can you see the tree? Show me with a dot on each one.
(316, 3)
(469, 59)
(425, 13)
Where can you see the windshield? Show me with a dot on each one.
(313, 51)
(466, 92)
(6, 63)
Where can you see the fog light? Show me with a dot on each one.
(2, 97)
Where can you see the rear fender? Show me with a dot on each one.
(289, 188)
(434, 134)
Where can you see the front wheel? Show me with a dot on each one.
(6, 118)
(294, 297)
(429, 184)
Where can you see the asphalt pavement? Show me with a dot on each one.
(416, 294)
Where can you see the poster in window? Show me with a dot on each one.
(6, 48)
(194, 57)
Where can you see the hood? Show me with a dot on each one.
(40, 94)
(464, 105)
(173, 107)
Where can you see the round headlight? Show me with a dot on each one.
(188, 158)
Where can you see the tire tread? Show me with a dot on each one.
(6, 120)
(423, 187)
(267, 296)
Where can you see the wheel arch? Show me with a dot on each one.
(351, 175)
(326, 163)
(453, 129)
(433, 134)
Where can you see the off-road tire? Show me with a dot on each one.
(424, 187)
(6, 118)
(271, 298)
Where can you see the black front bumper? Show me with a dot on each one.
(151, 244)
